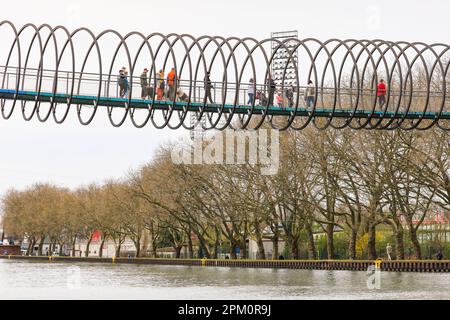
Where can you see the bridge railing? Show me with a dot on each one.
(106, 85)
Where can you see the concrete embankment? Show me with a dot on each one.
(354, 265)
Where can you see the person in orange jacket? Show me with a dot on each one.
(279, 100)
(171, 78)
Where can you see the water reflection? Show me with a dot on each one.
(31, 280)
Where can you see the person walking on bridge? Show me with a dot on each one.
(251, 92)
(144, 84)
(171, 78)
(280, 100)
(161, 85)
(310, 95)
(290, 96)
(122, 81)
(381, 93)
(208, 87)
(127, 83)
(272, 87)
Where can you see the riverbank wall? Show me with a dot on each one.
(352, 265)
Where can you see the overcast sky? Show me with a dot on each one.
(71, 154)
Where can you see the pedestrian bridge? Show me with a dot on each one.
(48, 71)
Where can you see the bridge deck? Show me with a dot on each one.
(195, 106)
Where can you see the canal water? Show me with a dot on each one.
(40, 280)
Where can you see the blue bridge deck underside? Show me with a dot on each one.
(192, 107)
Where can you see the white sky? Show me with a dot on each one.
(71, 154)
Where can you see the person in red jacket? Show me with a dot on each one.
(381, 93)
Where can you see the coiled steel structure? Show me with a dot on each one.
(45, 71)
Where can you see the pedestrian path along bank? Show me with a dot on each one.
(352, 265)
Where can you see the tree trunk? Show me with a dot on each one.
(74, 241)
(203, 244)
(371, 242)
(352, 244)
(216, 247)
(153, 248)
(137, 244)
(275, 252)
(144, 247)
(204, 248)
(100, 252)
(118, 247)
(50, 250)
(399, 244)
(86, 253)
(261, 254)
(33, 245)
(233, 250)
(190, 246)
(30, 246)
(41, 244)
(312, 253)
(178, 251)
(294, 248)
(330, 241)
(61, 249)
(244, 250)
(415, 242)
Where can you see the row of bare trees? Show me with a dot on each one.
(355, 181)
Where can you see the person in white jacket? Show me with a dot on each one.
(251, 92)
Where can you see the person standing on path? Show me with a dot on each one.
(389, 251)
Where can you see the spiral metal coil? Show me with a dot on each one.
(345, 74)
